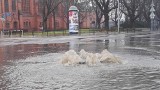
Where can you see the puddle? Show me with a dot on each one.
(22, 51)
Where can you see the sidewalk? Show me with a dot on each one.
(144, 30)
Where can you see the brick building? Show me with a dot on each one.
(24, 14)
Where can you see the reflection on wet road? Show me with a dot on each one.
(36, 67)
(22, 51)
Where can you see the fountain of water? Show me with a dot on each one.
(72, 58)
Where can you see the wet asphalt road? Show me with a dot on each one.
(27, 64)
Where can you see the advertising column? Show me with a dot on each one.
(73, 20)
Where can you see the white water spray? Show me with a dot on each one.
(72, 58)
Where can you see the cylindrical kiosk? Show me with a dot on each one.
(73, 20)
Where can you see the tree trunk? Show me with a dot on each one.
(116, 17)
(54, 19)
(132, 21)
(44, 25)
(67, 24)
(106, 21)
(98, 21)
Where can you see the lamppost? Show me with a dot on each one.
(118, 17)
(152, 15)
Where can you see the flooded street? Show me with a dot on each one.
(32, 63)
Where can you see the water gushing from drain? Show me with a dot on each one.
(72, 58)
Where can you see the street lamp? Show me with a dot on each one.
(118, 17)
(152, 15)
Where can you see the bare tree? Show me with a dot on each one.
(48, 7)
(157, 8)
(84, 10)
(146, 11)
(114, 14)
(132, 9)
(98, 13)
(106, 6)
(66, 5)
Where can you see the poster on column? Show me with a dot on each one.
(73, 22)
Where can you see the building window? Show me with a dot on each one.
(29, 24)
(6, 5)
(40, 24)
(15, 25)
(26, 6)
(1, 7)
(57, 24)
(26, 24)
(13, 5)
(7, 25)
(40, 7)
(57, 11)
